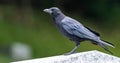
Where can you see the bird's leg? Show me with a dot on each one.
(73, 50)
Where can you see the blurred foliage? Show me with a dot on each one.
(24, 21)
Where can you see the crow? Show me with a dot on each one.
(74, 30)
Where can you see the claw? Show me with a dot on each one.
(69, 53)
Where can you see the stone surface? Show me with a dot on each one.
(83, 57)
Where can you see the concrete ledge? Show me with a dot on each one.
(83, 57)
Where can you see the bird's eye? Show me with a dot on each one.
(53, 9)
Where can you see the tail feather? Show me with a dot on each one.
(106, 43)
(109, 43)
(103, 46)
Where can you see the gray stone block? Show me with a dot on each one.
(83, 57)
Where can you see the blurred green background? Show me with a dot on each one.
(25, 22)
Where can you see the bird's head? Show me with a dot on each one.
(53, 11)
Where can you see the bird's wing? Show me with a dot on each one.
(75, 28)
(96, 33)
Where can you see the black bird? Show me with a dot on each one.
(74, 30)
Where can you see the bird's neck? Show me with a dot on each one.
(58, 17)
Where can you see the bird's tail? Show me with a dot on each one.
(102, 43)
(106, 43)
(104, 47)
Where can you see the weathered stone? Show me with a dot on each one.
(83, 57)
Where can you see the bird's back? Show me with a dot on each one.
(74, 27)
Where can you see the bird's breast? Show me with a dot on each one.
(63, 31)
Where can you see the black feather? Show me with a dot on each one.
(108, 42)
(96, 33)
(103, 46)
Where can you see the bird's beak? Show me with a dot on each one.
(47, 11)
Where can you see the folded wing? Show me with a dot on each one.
(75, 28)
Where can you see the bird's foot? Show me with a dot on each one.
(69, 53)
